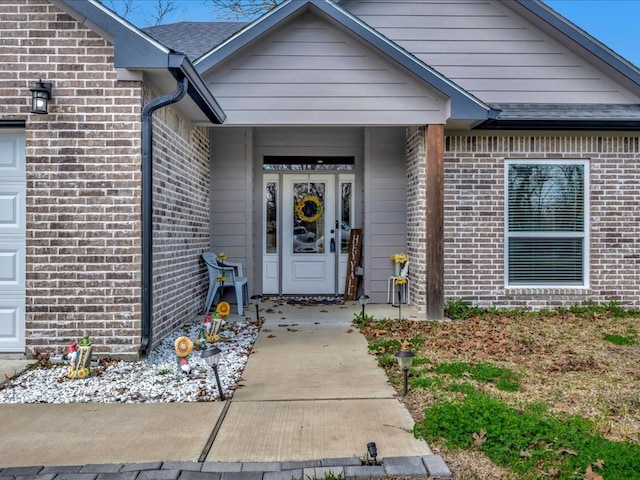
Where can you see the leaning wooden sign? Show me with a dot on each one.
(355, 247)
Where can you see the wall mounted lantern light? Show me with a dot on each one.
(40, 95)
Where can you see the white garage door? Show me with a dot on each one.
(13, 188)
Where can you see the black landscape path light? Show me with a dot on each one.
(364, 299)
(211, 355)
(372, 453)
(405, 359)
(256, 299)
(40, 95)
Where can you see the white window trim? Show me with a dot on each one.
(587, 225)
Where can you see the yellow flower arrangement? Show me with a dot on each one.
(399, 258)
(401, 280)
(222, 257)
(309, 209)
(223, 309)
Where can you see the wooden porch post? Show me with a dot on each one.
(434, 285)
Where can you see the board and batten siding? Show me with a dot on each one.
(309, 72)
(490, 51)
(385, 200)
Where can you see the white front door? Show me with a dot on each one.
(309, 234)
(12, 240)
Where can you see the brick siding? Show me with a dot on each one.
(181, 220)
(416, 220)
(474, 218)
(83, 257)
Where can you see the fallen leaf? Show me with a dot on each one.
(568, 451)
(479, 438)
(553, 472)
(589, 474)
(598, 463)
(350, 331)
(271, 336)
(525, 453)
(283, 324)
(292, 329)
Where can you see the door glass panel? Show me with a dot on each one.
(271, 216)
(345, 215)
(308, 217)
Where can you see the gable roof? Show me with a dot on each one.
(136, 50)
(464, 106)
(581, 38)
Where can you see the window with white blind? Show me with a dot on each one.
(546, 223)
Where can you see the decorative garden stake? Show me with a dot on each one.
(183, 350)
(79, 358)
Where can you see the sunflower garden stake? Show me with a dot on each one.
(183, 350)
(221, 279)
(400, 281)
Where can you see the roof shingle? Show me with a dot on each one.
(193, 38)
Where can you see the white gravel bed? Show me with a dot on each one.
(154, 380)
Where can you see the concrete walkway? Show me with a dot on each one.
(311, 398)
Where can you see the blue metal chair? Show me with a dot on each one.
(218, 270)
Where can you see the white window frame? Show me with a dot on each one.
(585, 235)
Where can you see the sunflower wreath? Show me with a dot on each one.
(309, 209)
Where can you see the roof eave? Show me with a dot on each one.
(136, 50)
(572, 124)
(197, 90)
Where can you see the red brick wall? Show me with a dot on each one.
(474, 217)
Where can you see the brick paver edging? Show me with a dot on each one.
(428, 466)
